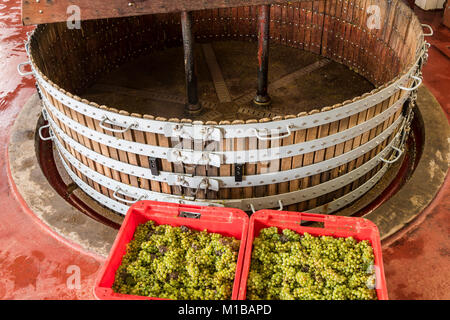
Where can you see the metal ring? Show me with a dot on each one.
(273, 138)
(419, 79)
(400, 152)
(19, 67)
(429, 28)
(112, 123)
(127, 195)
(40, 133)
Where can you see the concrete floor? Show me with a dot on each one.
(35, 264)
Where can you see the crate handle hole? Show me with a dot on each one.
(187, 214)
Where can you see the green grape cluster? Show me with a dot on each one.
(290, 266)
(178, 263)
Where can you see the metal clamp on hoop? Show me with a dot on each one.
(44, 114)
(105, 118)
(399, 151)
(118, 190)
(419, 79)
(19, 69)
(50, 137)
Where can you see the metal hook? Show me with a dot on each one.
(281, 205)
(127, 195)
(105, 118)
(42, 137)
(288, 129)
(400, 152)
(19, 69)
(429, 28)
(419, 79)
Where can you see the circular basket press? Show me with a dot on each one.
(318, 161)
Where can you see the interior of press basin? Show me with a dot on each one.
(299, 81)
(136, 64)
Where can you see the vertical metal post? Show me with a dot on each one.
(262, 98)
(192, 105)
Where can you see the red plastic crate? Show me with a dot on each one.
(337, 226)
(226, 221)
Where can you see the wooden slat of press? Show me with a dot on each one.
(374, 111)
(364, 139)
(162, 141)
(387, 123)
(296, 24)
(285, 24)
(246, 23)
(315, 43)
(319, 156)
(132, 157)
(178, 167)
(321, 20)
(333, 42)
(69, 132)
(348, 146)
(211, 32)
(250, 167)
(225, 169)
(120, 154)
(333, 31)
(234, 24)
(341, 14)
(274, 165)
(238, 145)
(297, 162)
(212, 171)
(326, 27)
(72, 133)
(357, 141)
(63, 128)
(329, 154)
(365, 39)
(377, 45)
(348, 16)
(276, 17)
(200, 170)
(104, 150)
(308, 159)
(252, 23)
(262, 166)
(221, 22)
(290, 24)
(380, 67)
(143, 160)
(375, 132)
(81, 119)
(103, 170)
(302, 21)
(286, 163)
(339, 150)
(356, 35)
(308, 11)
(352, 30)
(188, 144)
(243, 26)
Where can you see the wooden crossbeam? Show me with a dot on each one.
(49, 11)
